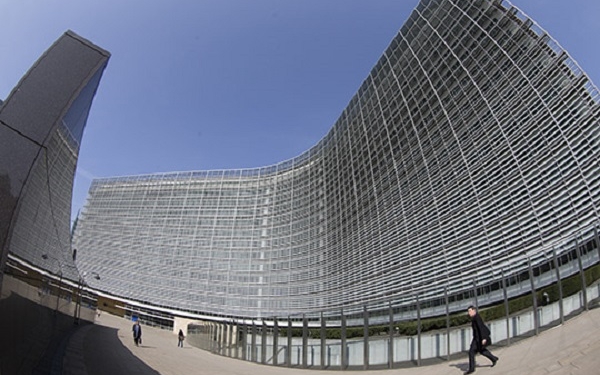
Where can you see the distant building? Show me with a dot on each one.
(469, 150)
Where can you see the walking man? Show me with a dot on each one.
(481, 339)
(137, 333)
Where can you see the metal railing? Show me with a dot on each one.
(422, 330)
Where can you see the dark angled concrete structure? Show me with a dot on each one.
(41, 125)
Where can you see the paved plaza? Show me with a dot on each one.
(107, 348)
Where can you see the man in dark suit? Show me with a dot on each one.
(481, 339)
(137, 333)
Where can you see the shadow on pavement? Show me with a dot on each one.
(31, 336)
(105, 354)
(461, 366)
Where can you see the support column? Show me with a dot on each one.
(230, 339)
(323, 342)
(365, 338)
(226, 329)
(211, 343)
(304, 341)
(597, 241)
(253, 353)
(216, 327)
(275, 341)
(536, 320)
(582, 275)
(245, 342)
(344, 361)
(236, 352)
(418, 331)
(506, 308)
(288, 353)
(447, 324)
(263, 343)
(391, 334)
(561, 307)
(221, 327)
(475, 294)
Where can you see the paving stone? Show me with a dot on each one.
(107, 348)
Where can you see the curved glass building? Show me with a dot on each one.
(41, 127)
(470, 150)
(42, 124)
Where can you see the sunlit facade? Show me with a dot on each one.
(470, 149)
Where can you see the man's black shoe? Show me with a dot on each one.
(495, 361)
(469, 372)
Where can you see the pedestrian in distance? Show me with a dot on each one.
(546, 298)
(481, 340)
(181, 337)
(137, 333)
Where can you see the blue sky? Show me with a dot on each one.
(220, 84)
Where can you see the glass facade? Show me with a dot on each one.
(41, 233)
(41, 125)
(470, 149)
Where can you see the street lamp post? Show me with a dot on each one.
(60, 274)
(78, 301)
(77, 313)
(59, 290)
(80, 285)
